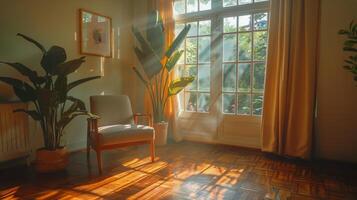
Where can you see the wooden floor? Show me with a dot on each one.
(185, 171)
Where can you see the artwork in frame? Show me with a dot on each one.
(95, 34)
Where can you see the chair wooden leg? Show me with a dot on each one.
(99, 160)
(88, 153)
(152, 150)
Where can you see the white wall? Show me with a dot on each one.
(55, 22)
(336, 136)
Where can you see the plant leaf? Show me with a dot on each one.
(61, 88)
(80, 104)
(22, 89)
(178, 41)
(80, 81)
(34, 114)
(155, 32)
(52, 58)
(173, 60)
(349, 49)
(149, 62)
(179, 84)
(69, 66)
(140, 76)
(33, 41)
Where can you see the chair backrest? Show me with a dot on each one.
(112, 109)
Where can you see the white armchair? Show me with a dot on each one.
(116, 126)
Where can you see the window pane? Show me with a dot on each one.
(243, 104)
(244, 77)
(203, 102)
(257, 104)
(230, 24)
(204, 49)
(205, 5)
(245, 46)
(192, 6)
(242, 2)
(260, 45)
(229, 77)
(229, 103)
(179, 7)
(178, 28)
(191, 101)
(204, 78)
(205, 27)
(191, 70)
(259, 76)
(193, 29)
(230, 47)
(227, 3)
(260, 21)
(191, 50)
(244, 23)
(260, 0)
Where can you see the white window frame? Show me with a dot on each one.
(216, 15)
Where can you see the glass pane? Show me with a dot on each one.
(182, 58)
(242, 2)
(205, 27)
(229, 103)
(180, 71)
(178, 28)
(229, 77)
(193, 29)
(260, 45)
(244, 77)
(243, 104)
(244, 22)
(192, 6)
(227, 3)
(204, 78)
(191, 50)
(229, 24)
(260, 21)
(245, 46)
(179, 7)
(230, 47)
(260, 0)
(257, 104)
(258, 77)
(203, 102)
(205, 5)
(191, 70)
(191, 101)
(204, 49)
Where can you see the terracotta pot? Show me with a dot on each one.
(161, 133)
(51, 160)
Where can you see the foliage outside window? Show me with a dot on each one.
(242, 53)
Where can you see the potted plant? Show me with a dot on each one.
(350, 46)
(53, 107)
(157, 64)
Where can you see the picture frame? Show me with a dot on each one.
(95, 34)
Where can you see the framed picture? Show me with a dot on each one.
(95, 35)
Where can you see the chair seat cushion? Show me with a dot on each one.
(124, 133)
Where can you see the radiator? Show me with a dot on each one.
(14, 133)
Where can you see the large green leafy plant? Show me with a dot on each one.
(158, 62)
(350, 46)
(53, 107)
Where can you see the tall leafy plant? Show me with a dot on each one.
(53, 107)
(158, 63)
(350, 45)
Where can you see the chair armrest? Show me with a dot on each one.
(147, 115)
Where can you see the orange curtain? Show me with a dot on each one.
(166, 11)
(289, 101)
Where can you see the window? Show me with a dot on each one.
(241, 30)
(196, 62)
